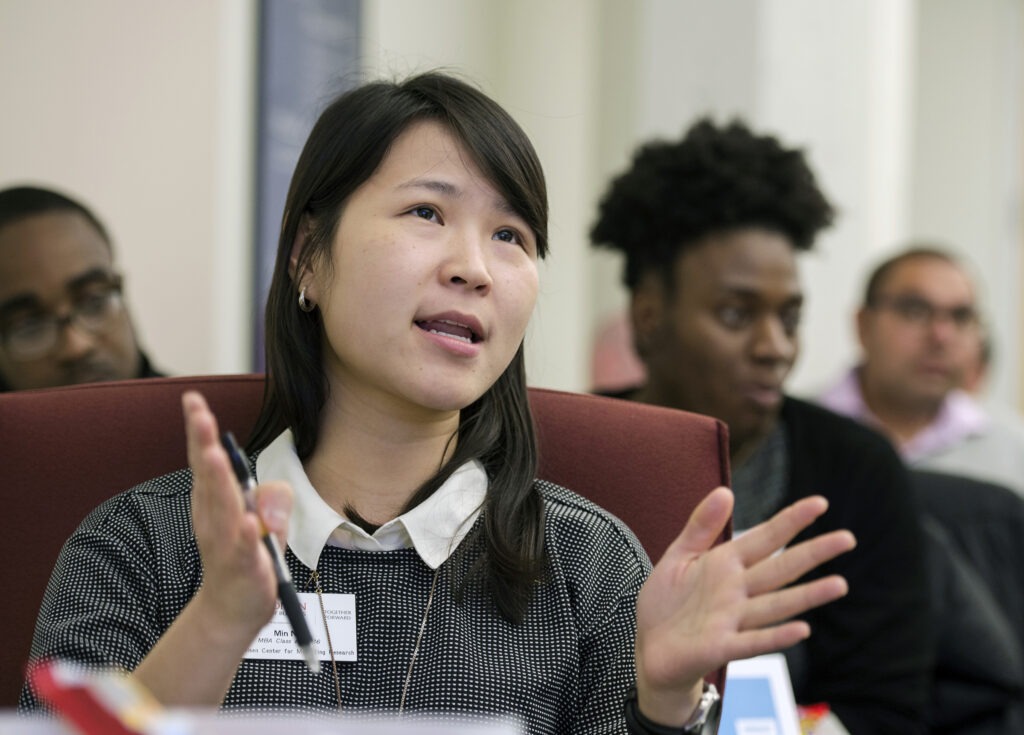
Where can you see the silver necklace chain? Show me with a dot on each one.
(314, 578)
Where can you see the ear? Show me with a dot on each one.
(647, 311)
(298, 244)
(302, 278)
(863, 325)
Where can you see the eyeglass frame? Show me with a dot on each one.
(53, 323)
(919, 312)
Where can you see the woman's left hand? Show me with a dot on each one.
(706, 605)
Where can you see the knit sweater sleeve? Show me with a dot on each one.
(120, 580)
(603, 565)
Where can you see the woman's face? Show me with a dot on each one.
(431, 283)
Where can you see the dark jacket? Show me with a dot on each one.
(978, 552)
(146, 368)
(870, 654)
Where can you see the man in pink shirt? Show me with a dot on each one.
(919, 332)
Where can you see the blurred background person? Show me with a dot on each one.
(921, 343)
(977, 373)
(63, 319)
(710, 226)
(614, 364)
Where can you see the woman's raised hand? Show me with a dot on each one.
(705, 605)
(195, 660)
(239, 587)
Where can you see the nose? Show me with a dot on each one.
(942, 327)
(466, 264)
(772, 341)
(74, 342)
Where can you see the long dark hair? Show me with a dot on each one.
(346, 146)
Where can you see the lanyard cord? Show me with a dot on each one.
(314, 578)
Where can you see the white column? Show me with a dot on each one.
(835, 78)
(968, 165)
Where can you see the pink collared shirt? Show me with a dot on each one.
(959, 418)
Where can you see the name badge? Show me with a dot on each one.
(277, 640)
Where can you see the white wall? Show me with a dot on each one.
(910, 112)
(967, 156)
(141, 110)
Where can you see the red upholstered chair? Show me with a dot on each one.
(67, 449)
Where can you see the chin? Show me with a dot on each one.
(453, 400)
(449, 390)
(444, 406)
(757, 428)
(930, 401)
(94, 377)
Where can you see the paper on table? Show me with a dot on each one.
(759, 698)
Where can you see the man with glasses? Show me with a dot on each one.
(920, 333)
(62, 315)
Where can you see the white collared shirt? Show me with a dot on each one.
(434, 528)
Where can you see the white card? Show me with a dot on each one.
(759, 698)
(277, 640)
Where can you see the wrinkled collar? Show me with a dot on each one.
(434, 528)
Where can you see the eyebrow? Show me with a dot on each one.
(31, 301)
(91, 276)
(18, 303)
(914, 295)
(756, 295)
(450, 190)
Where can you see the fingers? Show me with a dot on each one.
(273, 502)
(215, 497)
(766, 640)
(217, 502)
(239, 584)
(200, 425)
(704, 606)
(781, 569)
(768, 609)
(704, 526)
(768, 600)
(760, 634)
(766, 538)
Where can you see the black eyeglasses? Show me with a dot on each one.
(920, 313)
(93, 310)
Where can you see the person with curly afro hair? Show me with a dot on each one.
(710, 226)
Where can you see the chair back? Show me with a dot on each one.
(68, 449)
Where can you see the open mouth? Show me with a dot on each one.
(448, 328)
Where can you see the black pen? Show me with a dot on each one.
(285, 589)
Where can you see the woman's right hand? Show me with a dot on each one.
(195, 660)
(239, 589)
